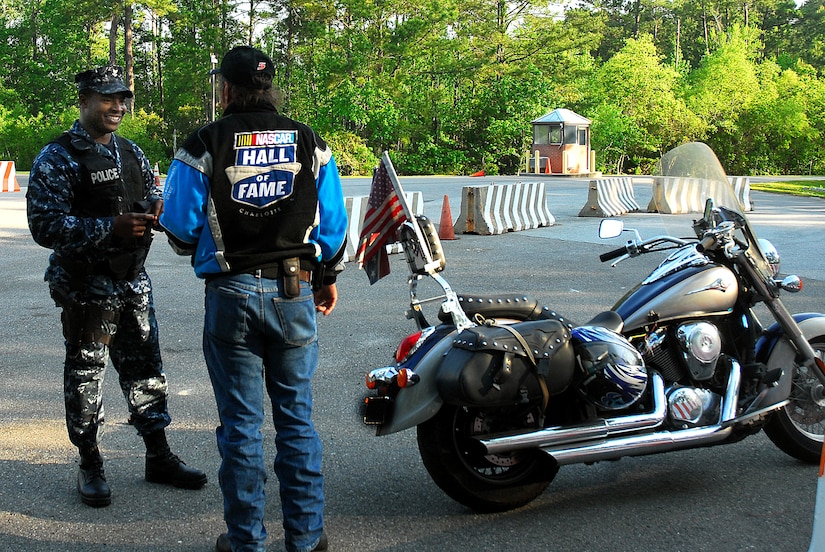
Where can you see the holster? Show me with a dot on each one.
(84, 322)
(290, 277)
(318, 277)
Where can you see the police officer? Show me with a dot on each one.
(92, 199)
(256, 199)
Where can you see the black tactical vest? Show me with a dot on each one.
(105, 190)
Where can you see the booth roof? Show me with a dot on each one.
(562, 116)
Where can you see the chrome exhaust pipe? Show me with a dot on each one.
(559, 435)
(663, 441)
(600, 441)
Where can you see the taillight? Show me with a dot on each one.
(407, 346)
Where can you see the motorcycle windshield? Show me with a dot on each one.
(702, 176)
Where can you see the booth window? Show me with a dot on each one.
(582, 137)
(555, 134)
(540, 136)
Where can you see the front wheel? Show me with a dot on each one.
(798, 428)
(483, 482)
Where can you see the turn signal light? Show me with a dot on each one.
(407, 378)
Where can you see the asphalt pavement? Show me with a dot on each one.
(747, 496)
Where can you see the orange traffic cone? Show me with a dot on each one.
(445, 227)
(157, 175)
(478, 173)
(547, 167)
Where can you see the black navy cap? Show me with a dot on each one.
(246, 66)
(105, 80)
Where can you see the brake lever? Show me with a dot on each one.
(618, 260)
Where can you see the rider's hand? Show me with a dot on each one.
(326, 298)
(156, 208)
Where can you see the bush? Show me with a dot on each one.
(148, 131)
(352, 155)
(24, 135)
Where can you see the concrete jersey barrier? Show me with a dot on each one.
(499, 208)
(610, 197)
(677, 195)
(356, 211)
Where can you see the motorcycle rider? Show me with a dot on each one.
(256, 199)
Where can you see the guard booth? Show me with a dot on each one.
(561, 144)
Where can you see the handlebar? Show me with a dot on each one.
(610, 255)
(639, 247)
(706, 242)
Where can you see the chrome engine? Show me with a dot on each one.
(692, 407)
(701, 345)
(688, 353)
(691, 351)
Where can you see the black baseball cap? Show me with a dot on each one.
(105, 80)
(246, 66)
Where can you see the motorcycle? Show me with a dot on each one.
(503, 391)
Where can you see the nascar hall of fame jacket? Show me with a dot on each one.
(252, 189)
(76, 187)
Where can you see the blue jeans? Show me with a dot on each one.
(255, 338)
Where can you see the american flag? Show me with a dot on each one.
(385, 214)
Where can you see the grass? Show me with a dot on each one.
(809, 188)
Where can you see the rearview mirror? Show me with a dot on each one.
(610, 228)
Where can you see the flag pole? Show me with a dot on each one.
(429, 264)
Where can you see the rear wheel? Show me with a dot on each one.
(483, 482)
(798, 428)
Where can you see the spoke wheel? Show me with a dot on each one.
(798, 428)
(483, 482)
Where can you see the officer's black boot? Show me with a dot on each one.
(91, 483)
(164, 467)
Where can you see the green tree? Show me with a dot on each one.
(782, 128)
(643, 90)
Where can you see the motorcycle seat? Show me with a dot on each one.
(506, 305)
(611, 320)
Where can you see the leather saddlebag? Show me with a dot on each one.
(488, 365)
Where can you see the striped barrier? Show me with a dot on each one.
(672, 195)
(7, 173)
(499, 208)
(742, 187)
(356, 211)
(610, 197)
(676, 195)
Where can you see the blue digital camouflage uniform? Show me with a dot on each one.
(95, 306)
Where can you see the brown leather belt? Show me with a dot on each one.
(270, 273)
(274, 272)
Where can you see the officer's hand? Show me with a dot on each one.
(325, 299)
(133, 225)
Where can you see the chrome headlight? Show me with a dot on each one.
(771, 255)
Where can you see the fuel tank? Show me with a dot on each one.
(685, 293)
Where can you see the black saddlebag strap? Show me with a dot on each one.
(545, 394)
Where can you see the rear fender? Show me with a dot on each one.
(418, 403)
(776, 351)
